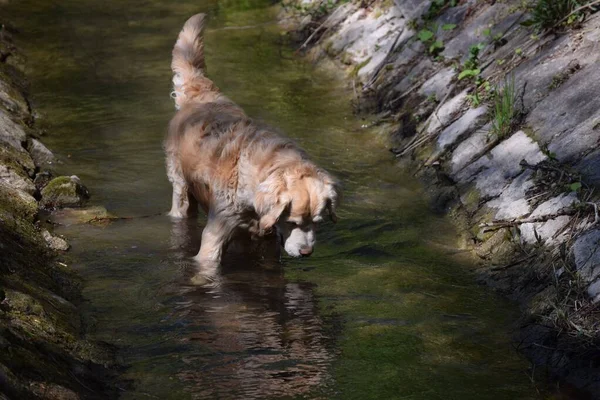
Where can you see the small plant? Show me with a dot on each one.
(574, 187)
(470, 68)
(548, 14)
(496, 39)
(505, 110)
(437, 6)
(412, 24)
(427, 37)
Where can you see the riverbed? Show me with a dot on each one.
(386, 308)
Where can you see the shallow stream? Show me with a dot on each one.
(384, 309)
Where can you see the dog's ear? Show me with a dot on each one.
(270, 201)
(332, 194)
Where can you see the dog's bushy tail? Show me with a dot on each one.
(188, 56)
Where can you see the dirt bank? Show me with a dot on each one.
(43, 350)
(496, 105)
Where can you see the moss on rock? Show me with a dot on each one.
(64, 191)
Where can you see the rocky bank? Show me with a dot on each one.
(43, 350)
(496, 105)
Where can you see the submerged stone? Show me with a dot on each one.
(74, 216)
(64, 191)
(55, 242)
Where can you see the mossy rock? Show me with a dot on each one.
(17, 159)
(17, 204)
(64, 191)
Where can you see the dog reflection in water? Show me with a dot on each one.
(249, 334)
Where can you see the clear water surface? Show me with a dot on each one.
(382, 310)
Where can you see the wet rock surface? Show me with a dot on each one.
(64, 191)
(522, 191)
(43, 354)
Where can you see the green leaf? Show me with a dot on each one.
(487, 32)
(529, 22)
(425, 35)
(575, 186)
(448, 27)
(436, 47)
(469, 73)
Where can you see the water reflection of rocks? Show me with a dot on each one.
(257, 335)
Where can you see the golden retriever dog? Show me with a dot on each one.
(245, 177)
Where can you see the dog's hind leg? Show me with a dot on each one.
(183, 204)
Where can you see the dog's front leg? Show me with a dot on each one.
(215, 236)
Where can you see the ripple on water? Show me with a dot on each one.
(378, 312)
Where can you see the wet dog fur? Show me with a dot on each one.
(245, 177)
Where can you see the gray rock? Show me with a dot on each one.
(41, 155)
(422, 69)
(547, 231)
(16, 178)
(438, 84)
(12, 99)
(64, 191)
(586, 254)
(16, 204)
(340, 14)
(17, 158)
(469, 150)
(367, 37)
(556, 119)
(471, 120)
(412, 9)
(494, 171)
(572, 145)
(453, 15)
(590, 168)
(447, 112)
(55, 242)
(512, 203)
(472, 33)
(11, 133)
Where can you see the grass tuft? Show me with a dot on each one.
(547, 14)
(506, 112)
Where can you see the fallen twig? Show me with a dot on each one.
(494, 225)
(106, 219)
(312, 35)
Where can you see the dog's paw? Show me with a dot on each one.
(199, 280)
(176, 214)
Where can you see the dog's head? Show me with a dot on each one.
(293, 202)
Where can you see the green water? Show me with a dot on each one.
(382, 310)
